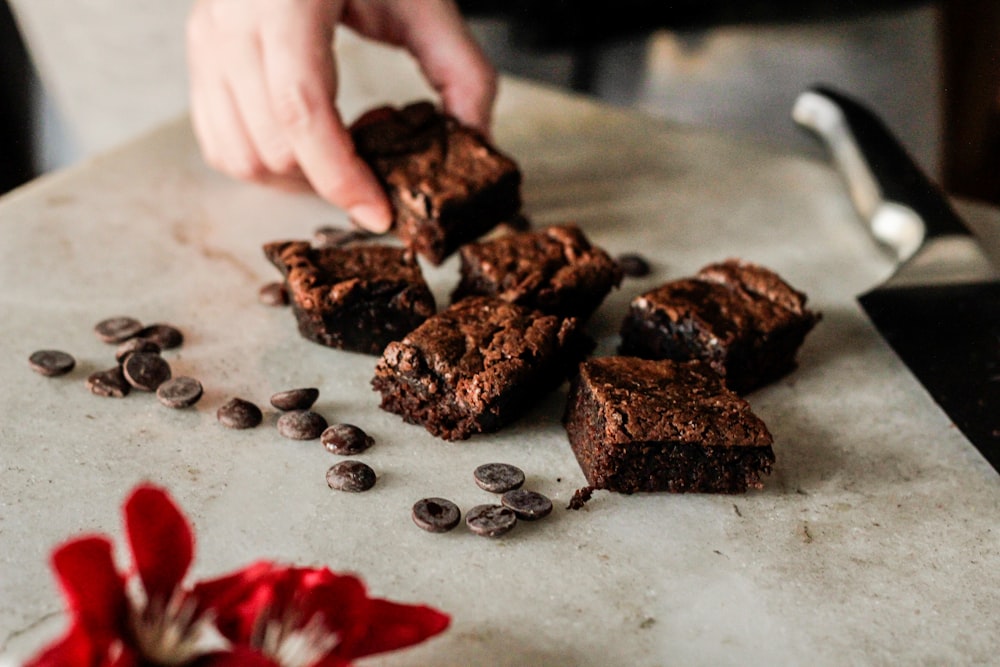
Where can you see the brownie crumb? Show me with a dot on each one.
(580, 498)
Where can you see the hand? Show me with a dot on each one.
(264, 81)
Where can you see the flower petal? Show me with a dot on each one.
(93, 588)
(75, 649)
(237, 600)
(161, 540)
(389, 626)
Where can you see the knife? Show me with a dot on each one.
(940, 309)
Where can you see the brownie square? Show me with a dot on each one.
(447, 183)
(476, 366)
(555, 270)
(741, 318)
(645, 425)
(354, 297)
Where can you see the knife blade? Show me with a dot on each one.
(940, 308)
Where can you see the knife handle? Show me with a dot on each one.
(901, 205)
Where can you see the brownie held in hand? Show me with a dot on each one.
(742, 319)
(644, 425)
(355, 297)
(476, 366)
(555, 270)
(447, 184)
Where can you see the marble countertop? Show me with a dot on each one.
(875, 540)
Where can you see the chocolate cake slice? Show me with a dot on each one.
(356, 296)
(476, 366)
(644, 425)
(741, 318)
(555, 270)
(447, 183)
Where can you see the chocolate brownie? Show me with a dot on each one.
(476, 366)
(646, 425)
(447, 184)
(555, 270)
(741, 318)
(355, 297)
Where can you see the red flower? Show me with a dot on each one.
(114, 626)
(263, 615)
(312, 616)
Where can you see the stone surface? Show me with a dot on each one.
(874, 541)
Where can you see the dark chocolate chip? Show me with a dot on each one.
(273, 294)
(146, 371)
(117, 329)
(528, 505)
(346, 439)
(179, 392)
(633, 265)
(301, 425)
(239, 413)
(110, 383)
(490, 520)
(353, 476)
(327, 237)
(519, 222)
(498, 477)
(436, 515)
(51, 363)
(295, 399)
(135, 345)
(166, 336)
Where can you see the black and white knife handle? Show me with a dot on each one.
(899, 202)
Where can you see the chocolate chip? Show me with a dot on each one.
(166, 336)
(528, 505)
(135, 345)
(239, 413)
(179, 392)
(633, 265)
(490, 520)
(117, 329)
(330, 237)
(273, 294)
(353, 476)
(436, 515)
(346, 439)
(110, 383)
(51, 363)
(519, 222)
(295, 399)
(301, 425)
(498, 477)
(146, 371)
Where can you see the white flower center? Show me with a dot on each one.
(172, 632)
(291, 643)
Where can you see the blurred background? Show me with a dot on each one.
(78, 78)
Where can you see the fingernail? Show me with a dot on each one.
(373, 218)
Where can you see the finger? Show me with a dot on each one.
(452, 61)
(251, 101)
(301, 82)
(217, 125)
(235, 153)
